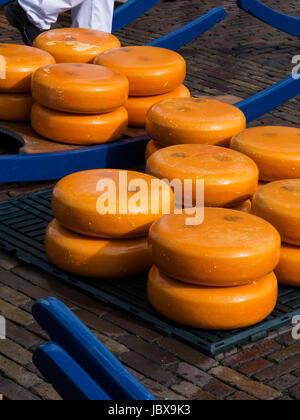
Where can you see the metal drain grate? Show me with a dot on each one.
(22, 228)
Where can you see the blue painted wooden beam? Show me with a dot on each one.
(64, 328)
(269, 99)
(70, 381)
(130, 11)
(281, 21)
(191, 31)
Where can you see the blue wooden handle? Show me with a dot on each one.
(76, 339)
(281, 21)
(265, 101)
(188, 33)
(67, 377)
(130, 11)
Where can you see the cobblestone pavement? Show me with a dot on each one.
(240, 56)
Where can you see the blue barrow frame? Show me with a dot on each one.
(120, 154)
(92, 371)
(279, 20)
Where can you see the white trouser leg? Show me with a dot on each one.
(42, 13)
(94, 14)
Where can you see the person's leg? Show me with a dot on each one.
(42, 13)
(94, 14)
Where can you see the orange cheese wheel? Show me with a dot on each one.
(246, 207)
(79, 129)
(229, 248)
(79, 88)
(279, 203)
(150, 70)
(93, 203)
(151, 148)
(288, 269)
(192, 120)
(221, 308)
(15, 106)
(276, 151)
(17, 64)
(75, 45)
(229, 178)
(97, 258)
(138, 107)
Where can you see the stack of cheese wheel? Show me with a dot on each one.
(102, 220)
(154, 74)
(17, 64)
(230, 178)
(75, 45)
(217, 274)
(79, 104)
(279, 203)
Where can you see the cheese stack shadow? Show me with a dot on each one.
(102, 220)
(216, 275)
(276, 151)
(154, 74)
(17, 64)
(79, 104)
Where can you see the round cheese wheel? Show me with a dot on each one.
(94, 203)
(15, 106)
(221, 308)
(138, 107)
(79, 88)
(75, 45)
(276, 151)
(79, 129)
(279, 203)
(246, 207)
(150, 70)
(151, 148)
(228, 248)
(229, 178)
(194, 120)
(17, 64)
(97, 258)
(288, 269)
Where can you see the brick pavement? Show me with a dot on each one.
(240, 56)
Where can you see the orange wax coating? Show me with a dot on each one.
(150, 70)
(15, 106)
(79, 129)
(76, 203)
(276, 150)
(151, 148)
(79, 88)
(97, 258)
(229, 248)
(288, 269)
(246, 207)
(17, 64)
(221, 308)
(75, 45)
(229, 178)
(138, 107)
(194, 120)
(279, 203)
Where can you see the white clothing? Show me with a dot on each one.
(91, 14)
